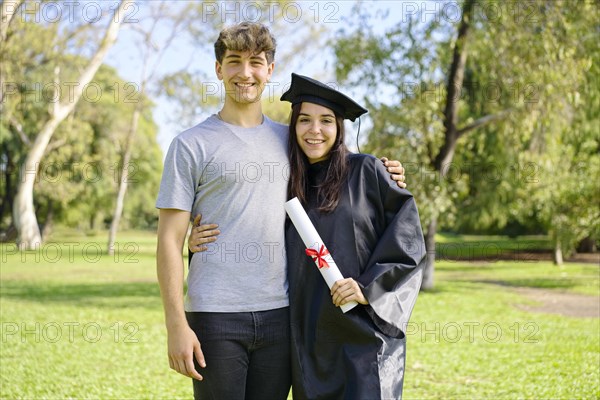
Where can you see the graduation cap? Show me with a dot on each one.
(305, 89)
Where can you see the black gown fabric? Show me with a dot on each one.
(375, 237)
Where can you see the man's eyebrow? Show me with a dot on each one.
(255, 57)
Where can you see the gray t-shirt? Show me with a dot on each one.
(236, 177)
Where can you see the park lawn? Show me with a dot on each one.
(79, 324)
(468, 340)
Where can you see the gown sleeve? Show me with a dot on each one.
(392, 279)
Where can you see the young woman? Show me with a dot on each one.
(372, 229)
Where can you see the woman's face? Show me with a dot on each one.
(316, 131)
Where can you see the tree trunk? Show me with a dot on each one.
(451, 132)
(558, 256)
(430, 264)
(24, 216)
(123, 181)
(9, 193)
(454, 86)
(49, 222)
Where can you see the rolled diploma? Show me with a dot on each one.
(312, 240)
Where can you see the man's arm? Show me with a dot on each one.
(201, 235)
(396, 170)
(182, 341)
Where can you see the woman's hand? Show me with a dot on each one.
(202, 235)
(346, 290)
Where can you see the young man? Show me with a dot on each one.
(233, 168)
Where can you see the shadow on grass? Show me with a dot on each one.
(538, 283)
(482, 266)
(452, 287)
(138, 294)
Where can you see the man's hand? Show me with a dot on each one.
(396, 170)
(183, 347)
(202, 235)
(346, 290)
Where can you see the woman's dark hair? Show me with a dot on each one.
(328, 192)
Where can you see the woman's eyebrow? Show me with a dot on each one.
(321, 115)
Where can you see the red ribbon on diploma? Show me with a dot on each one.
(318, 256)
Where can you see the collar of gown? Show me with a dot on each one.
(319, 166)
(317, 172)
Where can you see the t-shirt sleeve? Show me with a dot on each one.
(179, 178)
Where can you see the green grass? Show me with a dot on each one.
(468, 340)
(78, 324)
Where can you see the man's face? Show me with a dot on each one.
(244, 75)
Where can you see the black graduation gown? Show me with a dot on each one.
(375, 237)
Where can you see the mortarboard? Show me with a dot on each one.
(310, 90)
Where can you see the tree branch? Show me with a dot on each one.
(19, 129)
(56, 144)
(8, 11)
(482, 121)
(88, 73)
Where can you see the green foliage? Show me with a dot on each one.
(533, 69)
(144, 180)
(77, 179)
(195, 93)
(25, 84)
(80, 177)
(403, 63)
(564, 146)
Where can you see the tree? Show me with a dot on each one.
(15, 62)
(159, 12)
(553, 156)
(24, 216)
(78, 180)
(568, 144)
(454, 80)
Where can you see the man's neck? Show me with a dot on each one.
(244, 115)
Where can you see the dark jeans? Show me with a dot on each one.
(247, 355)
